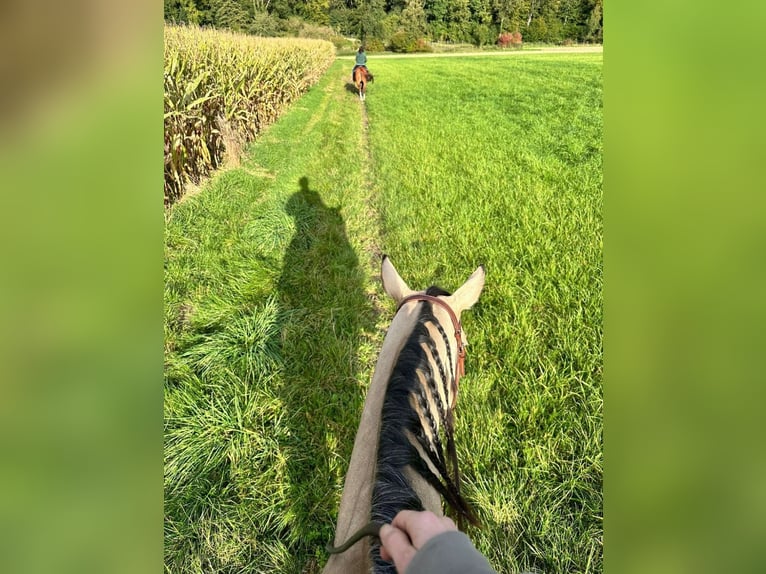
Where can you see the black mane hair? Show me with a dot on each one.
(392, 491)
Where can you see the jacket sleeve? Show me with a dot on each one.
(449, 553)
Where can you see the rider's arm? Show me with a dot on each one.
(449, 553)
(423, 543)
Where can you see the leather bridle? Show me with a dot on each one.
(460, 371)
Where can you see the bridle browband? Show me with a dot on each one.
(460, 371)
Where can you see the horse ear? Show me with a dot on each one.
(468, 293)
(392, 282)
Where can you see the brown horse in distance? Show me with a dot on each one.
(362, 77)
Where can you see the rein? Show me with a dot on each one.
(372, 528)
(460, 371)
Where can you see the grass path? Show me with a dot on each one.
(274, 312)
(271, 334)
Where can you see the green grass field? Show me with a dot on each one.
(274, 312)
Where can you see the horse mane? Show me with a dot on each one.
(402, 425)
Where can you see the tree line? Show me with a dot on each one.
(377, 22)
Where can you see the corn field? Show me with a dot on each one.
(219, 83)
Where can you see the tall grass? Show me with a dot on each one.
(498, 161)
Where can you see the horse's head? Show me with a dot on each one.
(464, 298)
(399, 460)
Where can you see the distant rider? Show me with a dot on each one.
(361, 60)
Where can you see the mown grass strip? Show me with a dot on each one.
(270, 339)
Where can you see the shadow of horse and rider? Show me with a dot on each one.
(322, 294)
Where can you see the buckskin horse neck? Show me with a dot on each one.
(398, 461)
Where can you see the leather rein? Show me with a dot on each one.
(460, 371)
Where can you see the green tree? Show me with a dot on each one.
(508, 14)
(232, 15)
(413, 19)
(537, 31)
(317, 11)
(436, 10)
(480, 11)
(569, 13)
(459, 20)
(391, 23)
(264, 24)
(458, 12)
(283, 9)
(182, 11)
(436, 17)
(370, 18)
(206, 12)
(594, 27)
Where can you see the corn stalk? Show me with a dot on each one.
(212, 76)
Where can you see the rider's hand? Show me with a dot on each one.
(407, 534)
